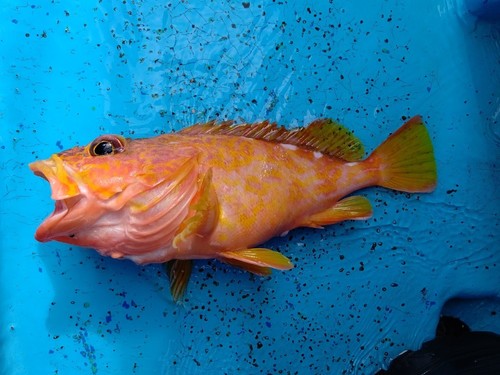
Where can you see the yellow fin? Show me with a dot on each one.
(258, 257)
(406, 159)
(178, 271)
(323, 135)
(206, 213)
(350, 208)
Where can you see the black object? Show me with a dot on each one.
(455, 351)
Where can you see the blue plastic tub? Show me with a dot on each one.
(361, 292)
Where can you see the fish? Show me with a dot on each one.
(221, 190)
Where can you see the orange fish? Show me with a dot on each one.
(219, 190)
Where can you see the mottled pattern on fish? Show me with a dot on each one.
(217, 191)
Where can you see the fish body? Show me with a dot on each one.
(217, 191)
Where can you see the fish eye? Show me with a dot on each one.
(107, 145)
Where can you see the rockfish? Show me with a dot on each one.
(219, 190)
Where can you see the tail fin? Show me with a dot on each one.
(406, 159)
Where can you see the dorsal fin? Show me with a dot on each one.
(323, 135)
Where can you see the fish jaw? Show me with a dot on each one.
(63, 221)
(71, 208)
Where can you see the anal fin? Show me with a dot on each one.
(257, 270)
(350, 208)
(256, 260)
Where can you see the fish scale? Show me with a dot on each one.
(218, 191)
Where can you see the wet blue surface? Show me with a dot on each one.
(361, 292)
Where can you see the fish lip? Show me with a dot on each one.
(66, 192)
(42, 233)
(64, 182)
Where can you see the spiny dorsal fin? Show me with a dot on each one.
(323, 135)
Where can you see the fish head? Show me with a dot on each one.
(97, 186)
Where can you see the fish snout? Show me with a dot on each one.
(63, 185)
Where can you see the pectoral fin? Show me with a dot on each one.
(178, 271)
(257, 260)
(205, 213)
(350, 208)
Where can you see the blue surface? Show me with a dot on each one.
(485, 9)
(361, 292)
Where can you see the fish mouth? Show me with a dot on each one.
(68, 213)
(62, 222)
